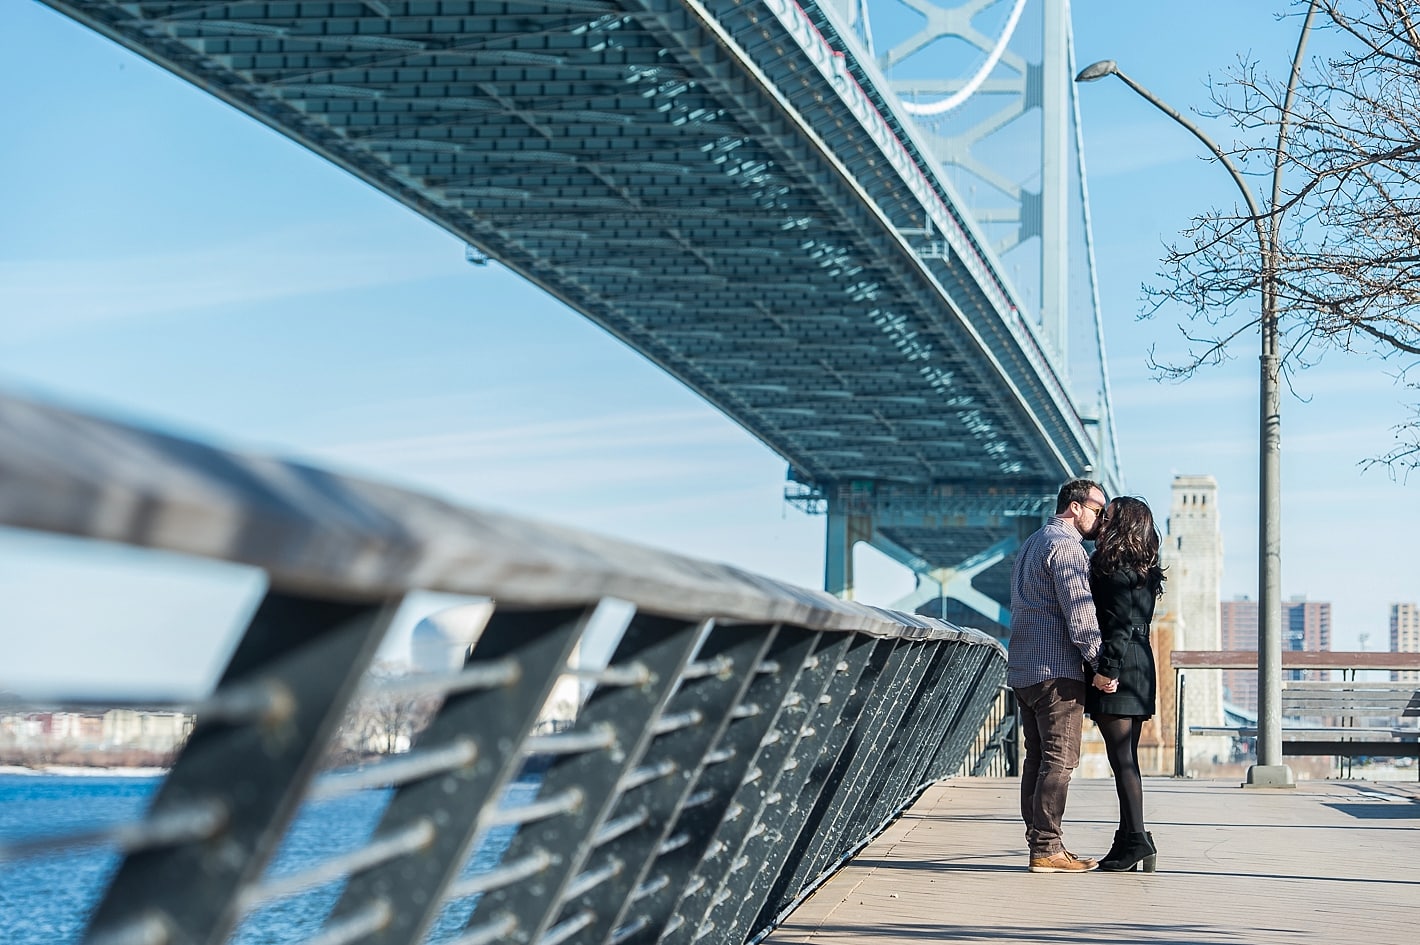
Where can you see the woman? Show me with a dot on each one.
(1126, 580)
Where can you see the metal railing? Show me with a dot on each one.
(744, 739)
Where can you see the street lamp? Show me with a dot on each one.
(1269, 771)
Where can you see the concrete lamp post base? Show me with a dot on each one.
(1270, 776)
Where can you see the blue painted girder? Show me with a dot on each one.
(715, 183)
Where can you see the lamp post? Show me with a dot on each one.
(1269, 771)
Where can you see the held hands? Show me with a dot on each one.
(1105, 684)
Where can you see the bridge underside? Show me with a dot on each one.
(960, 545)
(711, 182)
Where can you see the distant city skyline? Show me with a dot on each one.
(166, 260)
(1306, 626)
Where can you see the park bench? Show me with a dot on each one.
(1345, 718)
(1354, 709)
(1340, 717)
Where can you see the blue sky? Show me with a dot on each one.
(168, 260)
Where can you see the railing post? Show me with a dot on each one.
(680, 871)
(866, 660)
(626, 717)
(679, 756)
(715, 879)
(308, 655)
(495, 721)
(1013, 757)
(1178, 727)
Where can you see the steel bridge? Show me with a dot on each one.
(736, 190)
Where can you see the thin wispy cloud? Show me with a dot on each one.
(624, 460)
(1369, 377)
(640, 477)
(1117, 149)
(1202, 390)
(662, 430)
(46, 297)
(723, 508)
(558, 481)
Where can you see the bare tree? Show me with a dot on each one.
(384, 720)
(1344, 213)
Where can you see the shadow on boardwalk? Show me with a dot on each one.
(1332, 862)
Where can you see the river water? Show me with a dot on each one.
(46, 900)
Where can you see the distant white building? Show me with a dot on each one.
(98, 734)
(441, 642)
(1193, 554)
(146, 730)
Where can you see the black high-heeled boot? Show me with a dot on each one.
(1136, 850)
(1115, 846)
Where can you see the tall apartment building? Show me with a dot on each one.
(1193, 554)
(1306, 625)
(1405, 637)
(1238, 631)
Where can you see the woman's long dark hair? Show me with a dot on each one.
(1128, 540)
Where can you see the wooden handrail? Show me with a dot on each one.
(1293, 659)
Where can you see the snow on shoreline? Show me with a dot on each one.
(83, 771)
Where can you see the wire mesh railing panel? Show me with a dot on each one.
(706, 703)
(492, 721)
(847, 820)
(995, 753)
(776, 833)
(676, 883)
(823, 789)
(664, 646)
(989, 710)
(722, 875)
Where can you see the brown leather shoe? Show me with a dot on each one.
(1061, 862)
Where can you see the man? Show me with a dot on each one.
(1054, 649)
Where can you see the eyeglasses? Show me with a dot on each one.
(1098, 510)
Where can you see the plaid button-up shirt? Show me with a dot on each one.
(1054, 631)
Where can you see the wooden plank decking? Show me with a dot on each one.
(1335, 862)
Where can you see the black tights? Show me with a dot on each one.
(1121, 743)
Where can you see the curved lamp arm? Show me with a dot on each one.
(1107, 67)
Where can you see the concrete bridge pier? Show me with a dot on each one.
(955, 583)
(959, 545)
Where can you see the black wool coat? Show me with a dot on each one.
(1124, 602)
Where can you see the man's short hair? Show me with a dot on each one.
(1076, 490)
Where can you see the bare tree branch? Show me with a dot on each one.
(1342, 156)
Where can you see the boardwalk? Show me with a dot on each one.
(1332, 862)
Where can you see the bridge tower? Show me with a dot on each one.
(989, 86)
